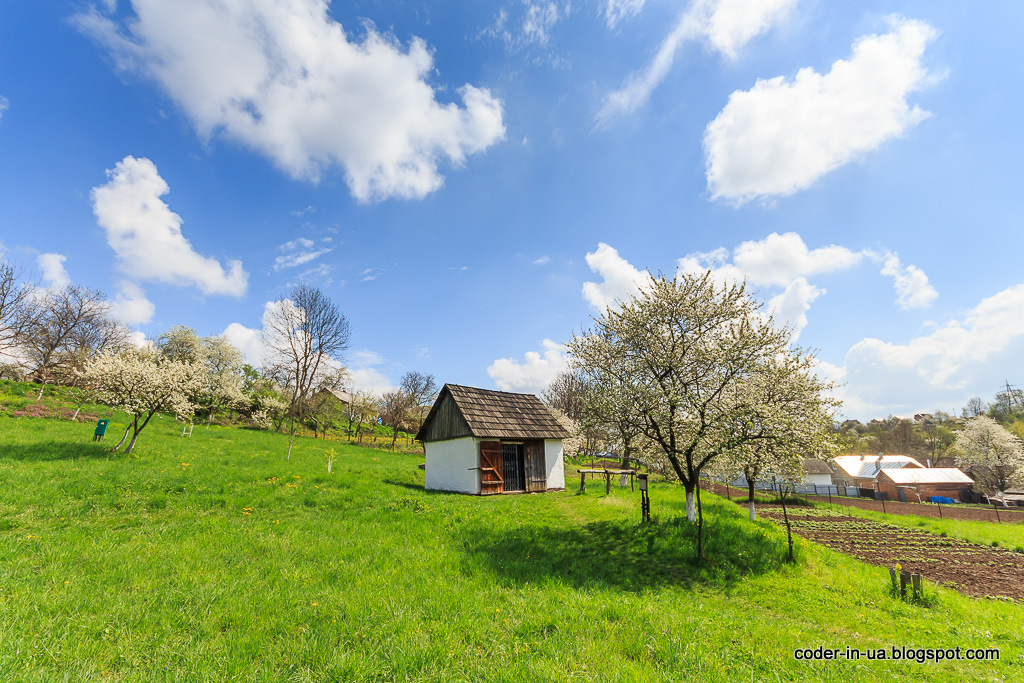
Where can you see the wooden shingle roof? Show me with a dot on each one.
(468, 411)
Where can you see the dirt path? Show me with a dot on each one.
(975, 570)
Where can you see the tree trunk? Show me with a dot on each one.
(691, 508)
(750, 498)
(785, 516)
(131, 445)
(700, 525)
(122, 438)
(394, 437)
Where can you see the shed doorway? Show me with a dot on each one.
(513, 466)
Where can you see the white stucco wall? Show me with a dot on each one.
(448, 465)
(818, 479)
(555, 465)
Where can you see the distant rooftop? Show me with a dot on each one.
(929, 475)
(868, 466)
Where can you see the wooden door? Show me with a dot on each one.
(491, 480)
(536, 472)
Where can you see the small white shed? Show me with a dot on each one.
(480, 441)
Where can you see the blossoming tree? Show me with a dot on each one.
(704, 370)
(994, 455)
(143, 382)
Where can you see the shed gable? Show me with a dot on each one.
(445, 421)
(468, 411)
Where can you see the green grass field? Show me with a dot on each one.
(213, 558)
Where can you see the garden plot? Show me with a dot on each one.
(975, 570)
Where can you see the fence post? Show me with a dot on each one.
(940, 510)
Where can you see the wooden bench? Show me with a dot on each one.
(607, 478)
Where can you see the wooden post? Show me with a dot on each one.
(997, 512)
(583, 482)
(916, 579)
(883, 505)
(940, 510)
(892, 575)
(904, 580)
(607, 482)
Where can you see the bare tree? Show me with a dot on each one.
(566, 393)
(421, 389)
(15, 308)
(307, 337)
(69, 326)
(395, 406)
(975, 407)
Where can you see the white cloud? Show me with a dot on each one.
(4, 105)
(297, 252)
(942, 369)
(621, 280)
(247, 340)
(534, 374)
(540, 18)
(146, 235)
(778, 259)
(534, 27)
(542, 261)
(790, 307)
(781, 136)
(616, 11)
(54, 273)
(284, 78)
(131, 305)
(366, 374)
(725, 25)
(912, 288)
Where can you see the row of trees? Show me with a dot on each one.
(69, 336)
(48, 335)
(691, 377)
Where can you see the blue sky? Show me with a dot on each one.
(471, 182)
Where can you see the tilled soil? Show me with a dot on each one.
(975, 570)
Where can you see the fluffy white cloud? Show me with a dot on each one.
(283, 77)
(620, 10)
(247, 340)
(942, 369)
(778, 259)
(790, 307)
(621, 280)
(52, 267)
(781, 136)
(4, 104)
(131, 305)
(532, 375)
(725, 25)
(146, 235)
(912, 287)
(297, 252)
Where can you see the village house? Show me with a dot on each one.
(862, 470)
(480, 441)
(917, 485)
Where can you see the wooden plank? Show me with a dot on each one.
(491, 480)
(536, 472)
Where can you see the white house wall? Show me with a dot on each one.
(449, 465)
(554, 463)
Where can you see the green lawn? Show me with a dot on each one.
(214, 558)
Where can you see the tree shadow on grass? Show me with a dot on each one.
(404, 484)
(46, 451)
(628, 556)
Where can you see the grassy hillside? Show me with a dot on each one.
(214, 558)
